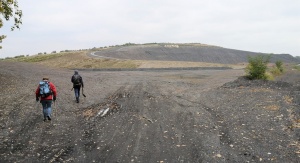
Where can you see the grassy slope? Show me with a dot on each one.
(81, 60)
(74, 60)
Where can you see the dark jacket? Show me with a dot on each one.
(77, 85)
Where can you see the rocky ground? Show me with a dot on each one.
(150, 116)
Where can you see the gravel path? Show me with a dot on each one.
(149, 116)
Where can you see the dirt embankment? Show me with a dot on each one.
(153, 116)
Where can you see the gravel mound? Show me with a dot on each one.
(182, 52)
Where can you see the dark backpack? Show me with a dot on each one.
(45, 89)
(76, 80)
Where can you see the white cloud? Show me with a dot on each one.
(260, 26)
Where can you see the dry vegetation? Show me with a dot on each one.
(75, 60)
(82, 60)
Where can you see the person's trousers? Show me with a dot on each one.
(46, 107)
(77, 92)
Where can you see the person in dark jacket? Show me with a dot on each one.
(46, 101)
(77, 83)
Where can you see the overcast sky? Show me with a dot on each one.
(268, 26)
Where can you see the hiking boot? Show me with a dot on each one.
(49, 118)
(45, 119)
(77, 99)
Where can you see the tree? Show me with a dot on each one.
(9, 9)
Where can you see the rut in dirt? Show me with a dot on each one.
(143, 123)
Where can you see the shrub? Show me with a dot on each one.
(279, 65)
(129, 44)
(275, 71)
(257, 67)
(19, 56)
(269, 76)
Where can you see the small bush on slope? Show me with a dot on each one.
(257, 67)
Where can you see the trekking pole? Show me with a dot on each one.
(83, 93)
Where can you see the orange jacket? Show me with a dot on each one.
(50, 97)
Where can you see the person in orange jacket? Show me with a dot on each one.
(46, 100)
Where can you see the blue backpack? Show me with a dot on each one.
(45, 89)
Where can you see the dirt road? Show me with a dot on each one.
(148, 116)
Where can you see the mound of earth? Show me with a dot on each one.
(149, 116)
(186, 52)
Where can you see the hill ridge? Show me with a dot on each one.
(186, 52)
